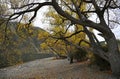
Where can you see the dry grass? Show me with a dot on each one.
(53, 69)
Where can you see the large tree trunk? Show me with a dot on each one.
(114, 55)
(114, 60)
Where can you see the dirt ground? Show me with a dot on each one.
(49, 68)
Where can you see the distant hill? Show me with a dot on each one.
(21, 45)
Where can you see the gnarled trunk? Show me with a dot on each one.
(114, 55)
(114, 60)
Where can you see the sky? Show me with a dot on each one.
(117, 32)
(39, 22)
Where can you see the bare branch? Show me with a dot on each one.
(62, 13)
(30, 10)
(97, 49)
(24, 6)
(87, 1)
(96, 6)
(114, 22)
(107, 4)
(78, 10)
(77, 32)
(69, 7)
(84, 41)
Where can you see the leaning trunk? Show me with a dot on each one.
(114, 60)
(114, 55)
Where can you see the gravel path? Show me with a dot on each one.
(52, 69)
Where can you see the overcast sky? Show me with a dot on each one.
(39, 22)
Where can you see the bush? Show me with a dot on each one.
(9, 59)
(100, 62)
(80, 55)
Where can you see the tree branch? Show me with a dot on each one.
(29, 10)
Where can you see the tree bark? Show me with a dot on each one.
(114, 60)
(114, 55)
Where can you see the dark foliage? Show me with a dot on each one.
(102, 63)
(80, 55)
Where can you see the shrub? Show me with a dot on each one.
(80, 54)
(100, 62)
(9, 59)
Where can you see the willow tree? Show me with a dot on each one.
(100, 8)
